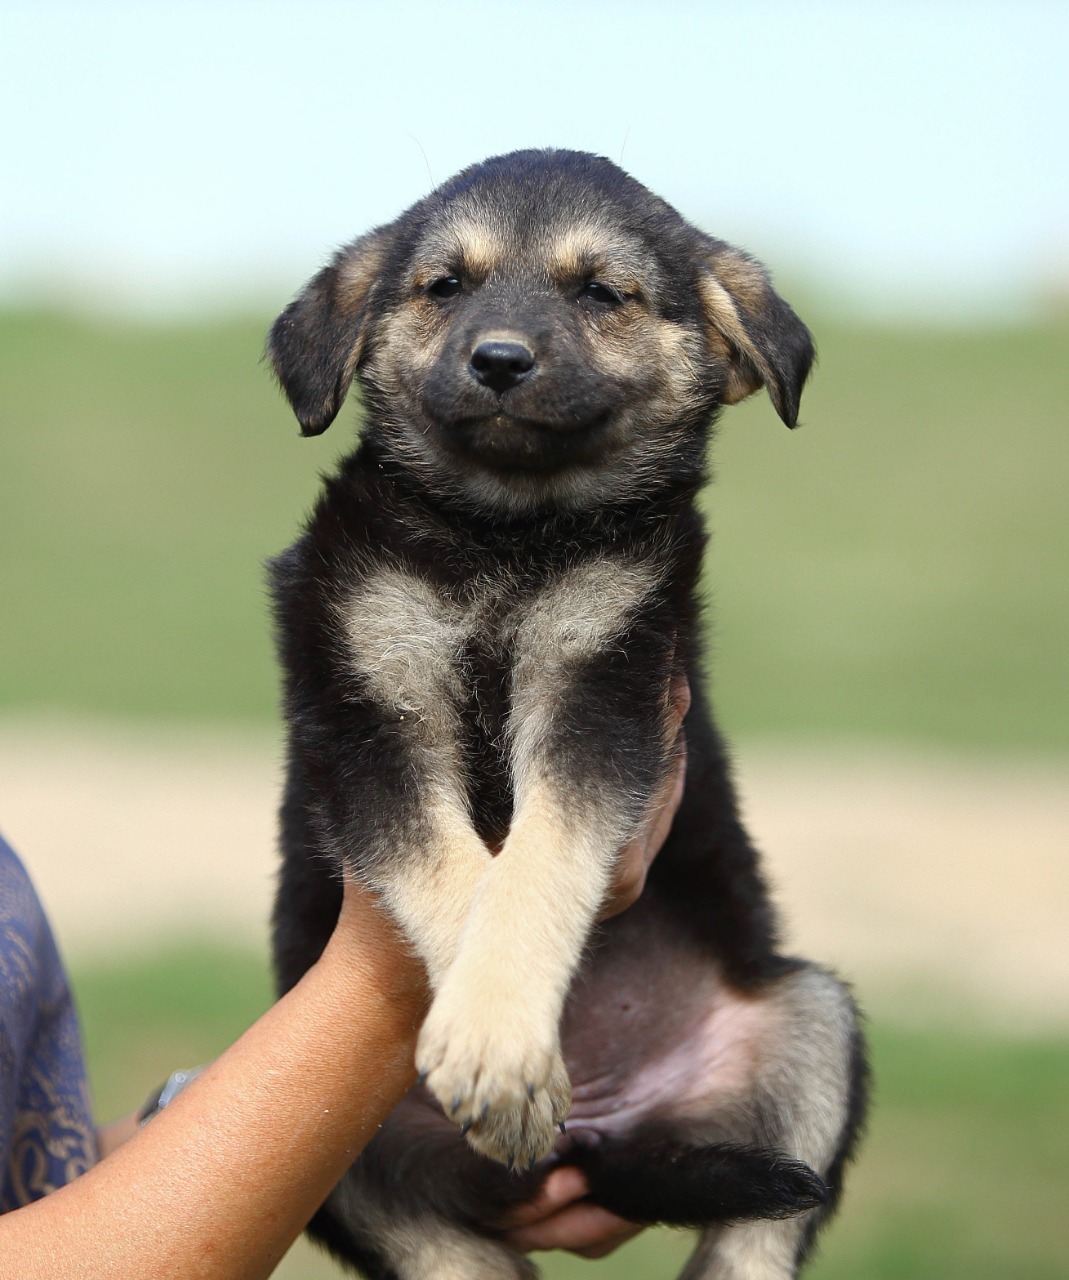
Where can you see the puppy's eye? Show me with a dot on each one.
(445, 287)
(595, 291)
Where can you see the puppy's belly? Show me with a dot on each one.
(650, 1032)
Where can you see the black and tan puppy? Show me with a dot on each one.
(479, 629)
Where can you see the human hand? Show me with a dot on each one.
(559, 1217)
(636, 858)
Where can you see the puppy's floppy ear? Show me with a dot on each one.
(316, 343)
(765, 342)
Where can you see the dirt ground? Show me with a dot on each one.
(919, 876)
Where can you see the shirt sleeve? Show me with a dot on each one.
(47, 1137)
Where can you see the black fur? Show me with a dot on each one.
(696, 1185)
(448, 495)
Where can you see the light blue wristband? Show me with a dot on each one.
(167, 1092)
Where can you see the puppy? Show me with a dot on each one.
(479, 629)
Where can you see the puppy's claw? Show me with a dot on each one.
(530, 1091)
(562, 1126)
(422, 1077)
(465, 1127)
(485, 1111)
(457, 1100)
(511, 1164)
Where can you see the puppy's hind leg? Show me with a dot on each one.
(433, 1249)
(808, 1096)
(397, 1244)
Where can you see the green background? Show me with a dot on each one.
(893, 569)
(893, 572)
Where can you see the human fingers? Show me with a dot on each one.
(679, 700)
(557, 1217)
(582, 1228)
(560, 1188)
(636, 857)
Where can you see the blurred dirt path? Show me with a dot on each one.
(920, 875)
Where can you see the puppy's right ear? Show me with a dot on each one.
(765, 342)
(316, 343)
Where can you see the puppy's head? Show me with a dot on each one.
(540, 329)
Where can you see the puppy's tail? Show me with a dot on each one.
(680, 1184)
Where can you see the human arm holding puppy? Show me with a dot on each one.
(223, 1180)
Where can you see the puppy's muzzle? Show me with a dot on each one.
(501, 365)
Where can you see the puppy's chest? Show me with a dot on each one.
(433, 649)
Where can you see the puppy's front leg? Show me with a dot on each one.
(405, 819)
(490, 1045)
(588, 749)
(431, 890)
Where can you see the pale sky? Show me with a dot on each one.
(164, 155)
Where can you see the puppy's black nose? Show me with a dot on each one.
(501, 365)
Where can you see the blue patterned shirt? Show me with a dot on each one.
(47, 1136)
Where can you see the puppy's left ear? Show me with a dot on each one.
(316, 343)
(764, 341)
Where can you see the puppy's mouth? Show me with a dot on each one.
(508, 442)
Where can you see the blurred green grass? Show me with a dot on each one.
(895, 569)
(963, 1175)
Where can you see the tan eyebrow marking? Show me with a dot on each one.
(575, 252)
(585, 251)
(462, 247)
(479, 249)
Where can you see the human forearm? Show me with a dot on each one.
(221, 1182)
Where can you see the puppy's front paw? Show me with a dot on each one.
(523, 1135)
(497, 1074)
